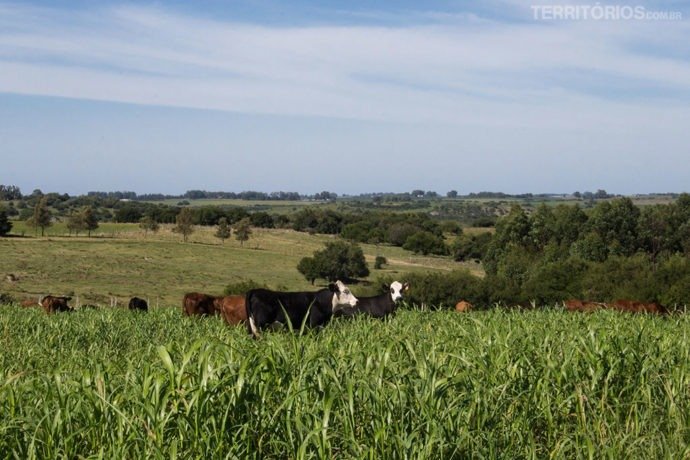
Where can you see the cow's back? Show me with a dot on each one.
(232, 308)
(197, 303)
(52, 304)
(463, 306)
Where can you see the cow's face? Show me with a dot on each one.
(342, 296)
(396, 290)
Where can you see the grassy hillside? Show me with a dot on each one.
(119, 262)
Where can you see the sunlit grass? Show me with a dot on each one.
(161, 268)
(117, 384)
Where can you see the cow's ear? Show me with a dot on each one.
(385, 287)
(406, 287)
(333, 287)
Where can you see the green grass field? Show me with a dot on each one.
(119, 262)
(117, 384)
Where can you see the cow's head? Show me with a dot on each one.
(342, 296)
(396, 290)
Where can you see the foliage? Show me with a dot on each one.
(5, 224)
(242, 287)
(425, 243)
(10, 192)
(184, 225)
(148, 223)
(223, 232)
(243, 230)
(42, 216)
(470, 247)
(83, 219)
(379, 262)
(491, 385)
(337, 261)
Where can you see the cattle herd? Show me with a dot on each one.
(263, 308)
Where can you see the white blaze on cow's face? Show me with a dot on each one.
(397, 289)
(343, 297)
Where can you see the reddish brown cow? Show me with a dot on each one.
(196, 303)
(634, 306)
(232, 308)
(26, 303)
(583, 305)
(52, 304)
(463, 306)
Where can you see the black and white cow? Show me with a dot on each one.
(265, 307)
(378, 306)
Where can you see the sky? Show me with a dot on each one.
(345, 96)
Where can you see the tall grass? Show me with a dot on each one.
(116, 384)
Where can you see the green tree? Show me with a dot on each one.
(425, 243)
(147, 223)
(5, 224)
(243, 230)
(616, 223)
(184, 223)
(223, 232)
(380, 262)
(75, 222)
(542, 227)
(309, 268)
(90, 219)
(337, 261)
(41, 217)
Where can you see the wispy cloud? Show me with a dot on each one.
(448, 68)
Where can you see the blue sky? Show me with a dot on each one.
(350, 97)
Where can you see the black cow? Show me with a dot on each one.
(265, 307)
(135, 303)
(378, 306)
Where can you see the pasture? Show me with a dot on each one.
(122, 261)
(112, 383)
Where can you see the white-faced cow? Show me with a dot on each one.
(378, 306)
(265, 307)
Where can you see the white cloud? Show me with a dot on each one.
(524, 106)
(465, 72)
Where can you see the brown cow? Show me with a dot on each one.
(634, 306)
(583, 305)
(196, 303)
(232, 308)
(53, 304)
(26, 303)
(463, 306)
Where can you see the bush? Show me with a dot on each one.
(337, 261)
(241, 287)
(426, 243)
(380, 262)
(442, 290)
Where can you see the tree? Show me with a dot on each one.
(90, 219)
(183, 223)
(147, 223)
(426, 243)
(5, 224)
(75, 222)
(223, 231)
(308, 267)
(41, 217)
(243, 230)
(380, 262)
(337, 261)
(452, 194)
